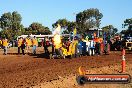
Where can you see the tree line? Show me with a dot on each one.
(11, 26)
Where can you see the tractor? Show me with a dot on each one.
(65, 50)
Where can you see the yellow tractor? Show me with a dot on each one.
(71, 51)
(63, 52)
(61, 49)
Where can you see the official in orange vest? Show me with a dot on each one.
(5, 45)
(35, 44)
(19, 44)
(28, 44)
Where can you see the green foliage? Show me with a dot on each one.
(128, 22)
(65, 24)
(36, 29)
(110, 29)
(88, 19)
(11, 25)
(128, 31)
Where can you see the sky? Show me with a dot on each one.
(48, 12)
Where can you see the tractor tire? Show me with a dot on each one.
(81, 80)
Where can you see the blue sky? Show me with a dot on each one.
(49, 11)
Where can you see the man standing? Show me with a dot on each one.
(97, 45)
(5, 45)
(46, 45)
(19, 44)
(28, 44)
(23, 46)
(35, 44)
(53, 49)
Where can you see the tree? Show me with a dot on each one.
(5, 20)
(16, 21)
(66, 25)
(63, 23)
(88, 19)
(37, 28)
(11, 25)
(110, 30)
(128, 31)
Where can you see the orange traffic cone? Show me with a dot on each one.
(123, 61)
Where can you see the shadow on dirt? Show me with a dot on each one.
(42, 55)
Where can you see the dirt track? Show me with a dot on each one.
(18, 71)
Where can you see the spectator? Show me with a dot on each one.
(46, 45)
(53, 49)
(35, 44)
(19, 44)
(28, 44)
(5, 45)
(23, 46)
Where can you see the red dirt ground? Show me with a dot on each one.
(24, 71)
